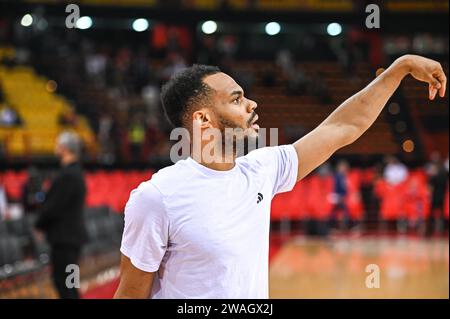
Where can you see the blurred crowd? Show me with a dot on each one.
(115, 83)
(114, 79)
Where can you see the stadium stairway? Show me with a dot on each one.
(33, 97)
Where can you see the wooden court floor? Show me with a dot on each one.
(336, 268)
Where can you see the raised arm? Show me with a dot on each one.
(353, 117)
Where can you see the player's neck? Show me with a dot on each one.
(219, 166)
(219, 162)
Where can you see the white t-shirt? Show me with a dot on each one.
(206, 232)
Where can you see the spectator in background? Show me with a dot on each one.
(136, 136)
(285, 61)
(208, 51)
(317, 223)
(140, 70)
(415, 204)
(394, 171)
(150, 96)
(340, 195)
(68, 118)
(95, 65)
(61, 216)
(104, 137)
(435, 158)
(153, 135)
(174, 64)
(296, 79)
(437, 181)
(227, 46)
(8, 116)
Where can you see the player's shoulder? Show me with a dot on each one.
(256, 161)
(267, 156)
(260, 155)
(259, 152)
(168, 179)
(144, 195)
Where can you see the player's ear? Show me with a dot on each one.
(208, 120)
(201, 119)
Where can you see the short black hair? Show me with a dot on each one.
(184, 90)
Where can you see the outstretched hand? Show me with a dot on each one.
(429, 71)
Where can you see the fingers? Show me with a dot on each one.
(440, 77)
(432, 92)
(443, 80)
(437, 83)
(434, 86)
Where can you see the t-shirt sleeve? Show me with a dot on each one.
(146, 231)
(280, 163)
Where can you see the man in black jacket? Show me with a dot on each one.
(61, 217)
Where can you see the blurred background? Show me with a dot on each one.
(382, 200)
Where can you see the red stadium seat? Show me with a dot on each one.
(14, 182)
(319, 199)
(280, 208)
(392, 199)
(298, 200)
(353, 200)
(290, 205)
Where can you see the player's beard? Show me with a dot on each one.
(247, 137)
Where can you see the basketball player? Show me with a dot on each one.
(201, 230)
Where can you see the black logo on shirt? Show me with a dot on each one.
(260, 198)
